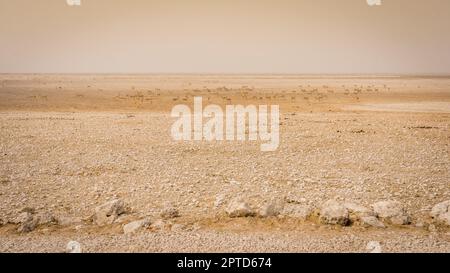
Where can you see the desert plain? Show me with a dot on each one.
(362, 163)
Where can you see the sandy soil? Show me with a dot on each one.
(69, 143)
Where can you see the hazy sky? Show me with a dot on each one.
(225, 36)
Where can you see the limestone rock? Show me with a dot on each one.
(441, 213)
(107, 213)
(392, 212)
(374, 247)
(334, 213)
(73, 247)
(239, 208)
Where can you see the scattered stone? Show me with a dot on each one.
(334, 213)
(169, 212)
(392, 212)
(441, 213)
(371, 221)
(107, 213)
(270, 209)
(374, 247)
(73, 247)
(239, 208)
(135, 226)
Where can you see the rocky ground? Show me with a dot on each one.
(363, 165)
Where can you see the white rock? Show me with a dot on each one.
(441, 213)
(334, 213)
(391, 211)
(107, 213)
(239, 208)
(374, 247)
(135, 226)
(73, 247)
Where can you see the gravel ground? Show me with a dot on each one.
(63, 154)
(208, 241)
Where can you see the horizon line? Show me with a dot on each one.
(349, 75)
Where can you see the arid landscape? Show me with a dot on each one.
(363, 165)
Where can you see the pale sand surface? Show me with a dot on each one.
(424, 107)
(69, 143)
